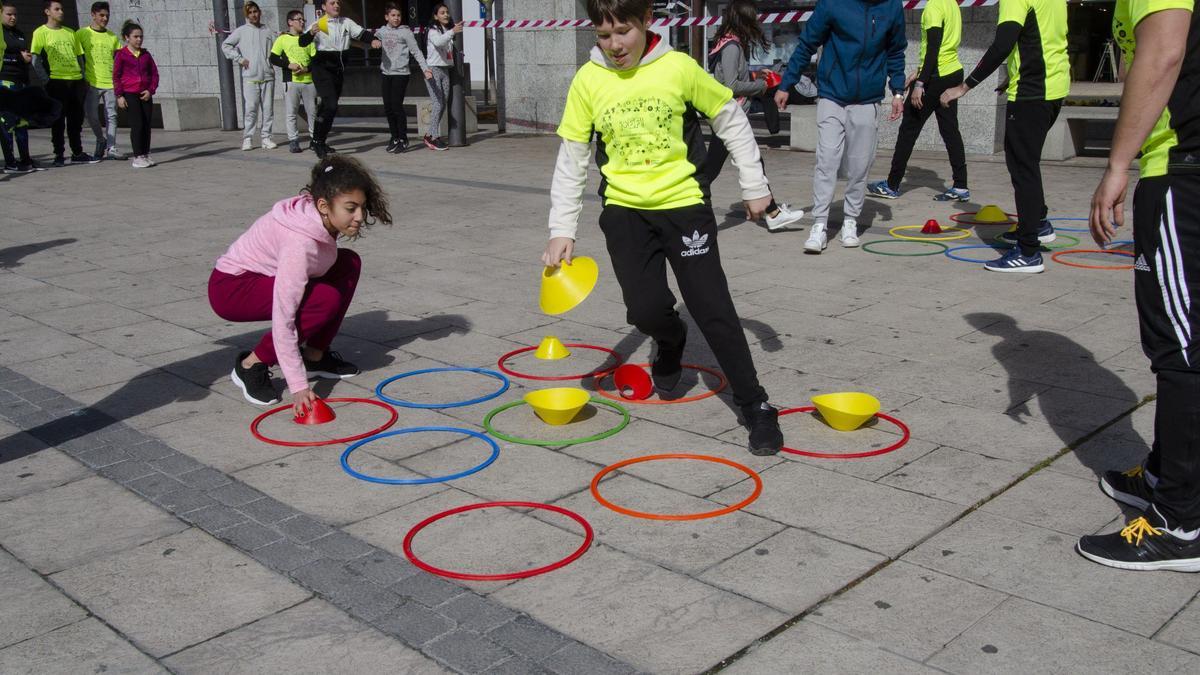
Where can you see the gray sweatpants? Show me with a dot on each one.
(259, 99)
(296, 93)
(106, 129)
(846, 138)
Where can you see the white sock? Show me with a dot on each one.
(1177, 532)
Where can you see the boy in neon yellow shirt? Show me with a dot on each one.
(640, 100)
(98, 45)
(56, 55)
(298, 86)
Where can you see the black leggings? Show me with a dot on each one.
(140, 115)
(394, 88)
(1025, 127)
(914, 120)
(328, 78)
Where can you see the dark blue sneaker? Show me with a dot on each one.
(1045, 234)
(1013, 261)
(882, 189)
(954, 195)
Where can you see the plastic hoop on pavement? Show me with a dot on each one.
(961, 233)
(850, 455)
(333, 441)
(504, 384)
(950, 252)
(487, 425)
(724, 382)
(345, 459)
(758, 487)
(940, 247)
(1074, 251)
(599, 372)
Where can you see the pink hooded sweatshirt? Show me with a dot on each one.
(291, 244)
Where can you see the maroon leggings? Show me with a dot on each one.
(248, 297)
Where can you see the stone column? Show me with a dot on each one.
(540, 64)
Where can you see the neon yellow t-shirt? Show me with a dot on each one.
(60, 50)
(289, 45)
(1182, 114)
(1038, 68)
(639, 115)
(98, 50)
(946, 15)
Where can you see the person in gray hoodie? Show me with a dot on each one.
(399, 45)
(249, 46)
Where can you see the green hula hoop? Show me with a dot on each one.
(867, 247)
(487, 425)
(1048, 247)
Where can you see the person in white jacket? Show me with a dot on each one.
(439, 54)
(249, 46)
(332, 34)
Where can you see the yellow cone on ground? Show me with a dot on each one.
(846, 410)
(566, 286)
(552, 349)
(991, 214)
(559, 405)
(323, 24)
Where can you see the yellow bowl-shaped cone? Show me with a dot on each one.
(846, 410)
(566, 286)
(991, 214)
(552, 349)
(323, 24)
(559, 405)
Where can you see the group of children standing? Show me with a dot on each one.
(83, 70)
(312, 61)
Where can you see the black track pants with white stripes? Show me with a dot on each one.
(1166, 223)
(641, 243)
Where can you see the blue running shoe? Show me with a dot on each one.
(882, 189)
(1014, 261)
(954, 195)
(1045, 234)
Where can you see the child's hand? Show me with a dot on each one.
(428, 74)
(557, 250)
(458, 27)
(755, 208)
(302, 401)
(781, 99)
(145, 95)
(121, 103)
(376, 44)
(245, 63)
(295, 67)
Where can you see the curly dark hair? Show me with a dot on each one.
(741, 20)
(336, 175)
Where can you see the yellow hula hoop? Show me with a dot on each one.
(962, 233)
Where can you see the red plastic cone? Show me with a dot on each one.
(320, 413)
(633, 382)
(931, 227)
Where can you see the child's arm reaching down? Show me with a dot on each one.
(733, 128)
(566, 200)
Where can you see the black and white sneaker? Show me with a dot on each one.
(1015, 261)
(1145, 544)
(331, 366)
(762, 419)
(255, 381)
(1133, 487)
(392, 145)
(667, 368)
(294, 146)
(1045, 234)
(84, 158)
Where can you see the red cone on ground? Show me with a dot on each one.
(633, 382)
(931, 227)
(320, 413)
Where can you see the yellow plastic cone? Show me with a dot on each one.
(323, 24)
(991, 214)
(552, 349)
(846, 410)
(567, 285)
(559, 405)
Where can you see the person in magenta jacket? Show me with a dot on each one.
(135, 79)
(288, 268)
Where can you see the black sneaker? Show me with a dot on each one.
(392, 145)
(402, 146)
(319, 149)
(440, 143)
(12, 168)
(762, 419)
(1045, 234)
(1145, 544)
(84, 158)
(59, 160)
(255, 381)
(294, 147)
(30, 166)
(101, 148)
(1132, 487)
(667, 369)
(331, 367)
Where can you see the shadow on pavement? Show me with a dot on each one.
(10, 258)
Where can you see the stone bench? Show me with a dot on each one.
(1066, 137)
(803, 127)
(182, 113)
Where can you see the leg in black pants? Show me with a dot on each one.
(394, 88)
(139, 124)
(914, 120)
(328, 78)
(1025, 128)
(641, 243)
(70, 93)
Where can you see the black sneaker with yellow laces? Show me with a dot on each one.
(1146, 543)
(330, 366)
(1133, 486)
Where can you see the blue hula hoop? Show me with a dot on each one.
(419, 481)
(1070, 229)
(949, 253)
(453, 404)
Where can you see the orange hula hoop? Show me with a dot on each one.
(758, 488)
(686, 399)
(1127, 254)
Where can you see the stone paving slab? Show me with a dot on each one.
(808, 647)
(31, 606)
(85, 646)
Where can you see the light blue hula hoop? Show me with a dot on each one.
(949, 253)
(419, 481)
(453, 404)
(1070, 229)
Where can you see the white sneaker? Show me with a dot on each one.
(849, 234)
(817, 239)
(140, 163)
(785, 217)
(246, 145)
(150, 160)
(269, 144)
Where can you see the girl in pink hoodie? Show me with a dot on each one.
(287, 268)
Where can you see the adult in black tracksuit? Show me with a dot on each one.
(332, 33)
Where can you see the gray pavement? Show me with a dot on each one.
(143, 529)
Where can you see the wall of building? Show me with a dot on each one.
(539, 65)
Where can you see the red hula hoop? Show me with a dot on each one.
(312, 444)
(599, 372)
(850, 455)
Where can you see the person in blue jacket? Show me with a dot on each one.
(862, 43)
